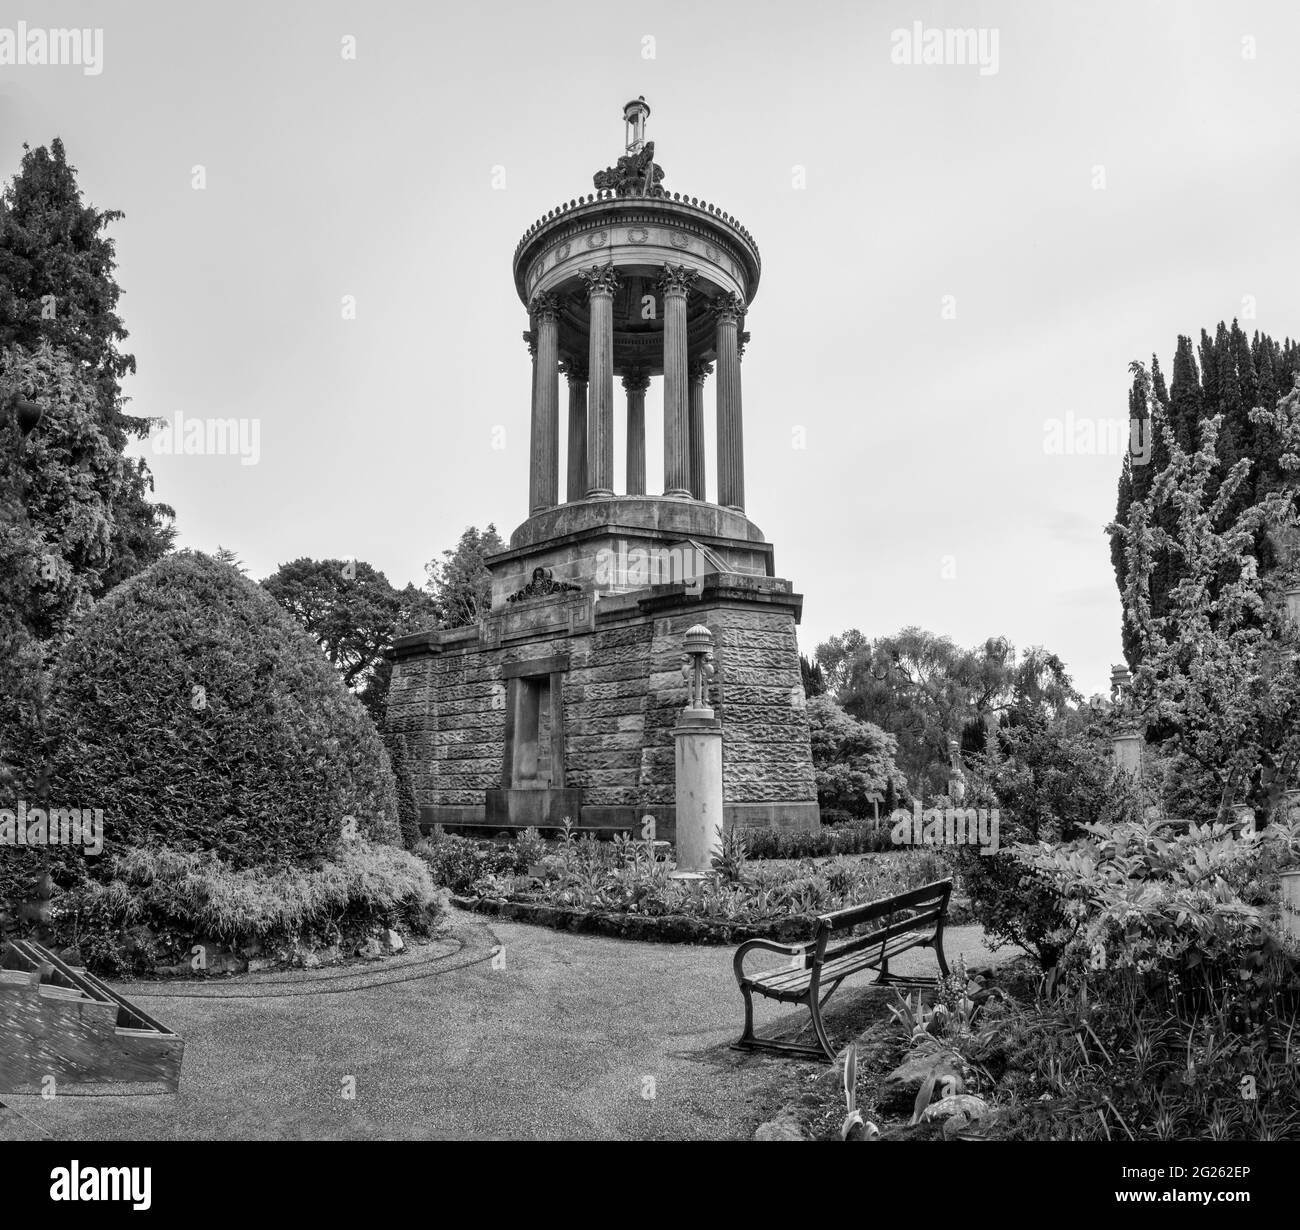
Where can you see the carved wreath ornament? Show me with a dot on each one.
(542, 584)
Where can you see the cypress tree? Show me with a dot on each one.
(57, 286)
(1227, 374)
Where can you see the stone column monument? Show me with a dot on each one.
(564, 700)
(699, 761)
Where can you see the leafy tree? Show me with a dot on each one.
(353, 613)
(814, 680)
(224, 555)
(852, 761)
(57, 287)
(57, 491)
(460, 582)
(1218, 672)
(924, 689)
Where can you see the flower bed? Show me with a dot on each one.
(661, 929)
(626, 888)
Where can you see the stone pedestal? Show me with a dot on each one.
(1127, 749)
(1291, 902)
(699, 791)
(507, 808)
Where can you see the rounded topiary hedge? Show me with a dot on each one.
(197, 714)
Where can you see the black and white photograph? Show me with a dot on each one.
(688, 572)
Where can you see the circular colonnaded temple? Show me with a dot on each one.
(561, 702)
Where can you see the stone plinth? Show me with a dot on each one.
(520, 809)
(699, 792)
(618, 660)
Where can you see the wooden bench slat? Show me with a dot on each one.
(842, 966)
(855, 915)
(906, 925)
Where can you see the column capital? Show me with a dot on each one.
(729, 307)
(699, 369)
(636, 381)
(531, 342)
(574, 369)
(600, 279)
(675, 279)
(741, 342)
(544, 306)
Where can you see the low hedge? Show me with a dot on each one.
(160, 903)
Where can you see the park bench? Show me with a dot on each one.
(816, 969)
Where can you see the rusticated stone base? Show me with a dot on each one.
(617, 658)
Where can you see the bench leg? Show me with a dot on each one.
(820, 1029)
(938, 950)
(883, 978)
(748, 1036)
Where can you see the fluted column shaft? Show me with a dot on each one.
(636, 383)
(601, 281)
(731, 448)
(576, 484)
(544, 464)
(675, 281)
(699, 371)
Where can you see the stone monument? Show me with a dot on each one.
(699, 814)
(562, 702)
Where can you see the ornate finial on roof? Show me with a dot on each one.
(637, 170)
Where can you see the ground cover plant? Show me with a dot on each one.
(1172, 1013)
(624, 875)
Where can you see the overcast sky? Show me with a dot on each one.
(1127, 173)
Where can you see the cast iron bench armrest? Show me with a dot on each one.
(786, 950)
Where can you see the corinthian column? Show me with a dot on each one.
(544, 465)
(731, 450)
(636, 382)
(675, 281)
(576, 484)
(600, 281)
(696, 433)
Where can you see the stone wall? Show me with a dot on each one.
(622, 692)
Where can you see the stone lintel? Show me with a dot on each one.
(535, 666)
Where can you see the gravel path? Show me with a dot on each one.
(578, 1037)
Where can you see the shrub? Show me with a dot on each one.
(852, 837)
(1138, 896)
(158, 902)
(1047, 784)
(1174, 1011)
(531, 847)
(199, 716)
(407, 811)
(459, 862)
(835, 815)
(852, 760)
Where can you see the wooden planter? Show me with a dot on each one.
(61, 1022)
